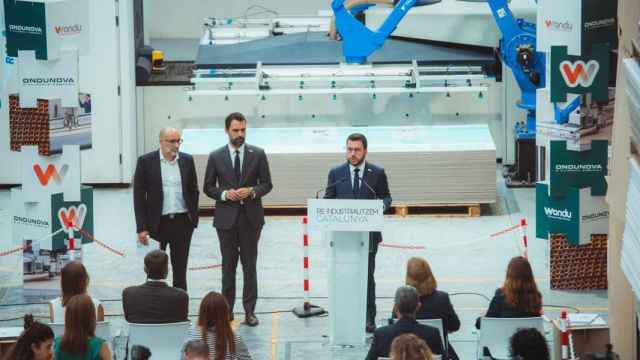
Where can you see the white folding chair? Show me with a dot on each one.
(164, 340)
(436, 323)
(495, 334)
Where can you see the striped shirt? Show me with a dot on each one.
(242, 352)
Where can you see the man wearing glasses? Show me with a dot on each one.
(165, 197)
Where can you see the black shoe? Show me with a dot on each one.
(370, 327)
(251, 320)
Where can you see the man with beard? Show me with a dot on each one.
(165, 198)
(237, 177)
(357, 179)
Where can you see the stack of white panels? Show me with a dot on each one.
(424, 164)
(632, 87)
(630, 262)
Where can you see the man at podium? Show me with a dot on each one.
(358, 179)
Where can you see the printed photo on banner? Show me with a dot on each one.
(50, 125)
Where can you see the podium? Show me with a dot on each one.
(345, 227)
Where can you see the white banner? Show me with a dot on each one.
(31, 221)
(43, 176)
(594, 215)
(559, 25)
(345, 215)
(67, 27)
(57, 79)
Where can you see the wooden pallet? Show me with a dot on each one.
(435, 210)
(438, 210)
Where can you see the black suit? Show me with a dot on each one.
(238, 224)
(154, 302)
(340, 186)
(383, 337)
(148, 200)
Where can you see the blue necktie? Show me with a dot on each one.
(236, 166)
(356, 182)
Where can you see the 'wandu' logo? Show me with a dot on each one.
(579, 72)
(558, 214)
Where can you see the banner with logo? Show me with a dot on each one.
(71, 216)
(68, 26)
(47, 28)
(599, 24)
(578, 169)
(30, 220)
(26, 27)
(579, 74)
(48, 79)
(559, 25)
(578, 215)
(43, 176)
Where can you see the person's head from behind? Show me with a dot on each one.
(35, 342)
(407, 302)
(409, 347)
(356, 149)
(156, 265)
(520, 289)
(196, 350)
(419, 276)
(214, 315)
(79, 325)
(74, 280)
(529, 344)
(235, 125)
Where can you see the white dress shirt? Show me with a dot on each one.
(173, 202)
(232, 153)
(353, 173)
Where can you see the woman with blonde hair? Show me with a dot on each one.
(409, 347)
(519, 296)
(214, 329)
(435, 304)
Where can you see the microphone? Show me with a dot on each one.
(330, 185)
(375, 195)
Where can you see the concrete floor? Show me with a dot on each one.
(467, 261)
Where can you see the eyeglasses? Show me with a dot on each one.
(178, 141)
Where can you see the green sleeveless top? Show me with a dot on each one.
(93, 352)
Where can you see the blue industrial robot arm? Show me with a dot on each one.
(518, 51)
(358, 42)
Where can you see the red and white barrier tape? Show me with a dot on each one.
(404, 247)
(11, 252)
(205, 267)
(105, 246)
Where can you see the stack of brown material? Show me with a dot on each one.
(29, 126)
(582, 267)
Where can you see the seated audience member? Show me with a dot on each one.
(407, 303)
(155, 302)
(35, 342)
(529, 344)
(79, 341)
(519, 296)
(435, 304)
(409, 347)
(214, 329)
(74, 280)
(196, 350)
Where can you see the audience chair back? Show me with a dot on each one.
(433, 357)
(164, 340)
(436, 323)
(495, 334)
(103, 330)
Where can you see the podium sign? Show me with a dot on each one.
(345, 215)
(345, 227)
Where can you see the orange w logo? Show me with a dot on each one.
(50, 173)
(579, 73)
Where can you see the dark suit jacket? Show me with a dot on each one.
(220, 177)
(148, 195)
(155, 302)
(383, 337)
(339, 187)
(498, 308)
